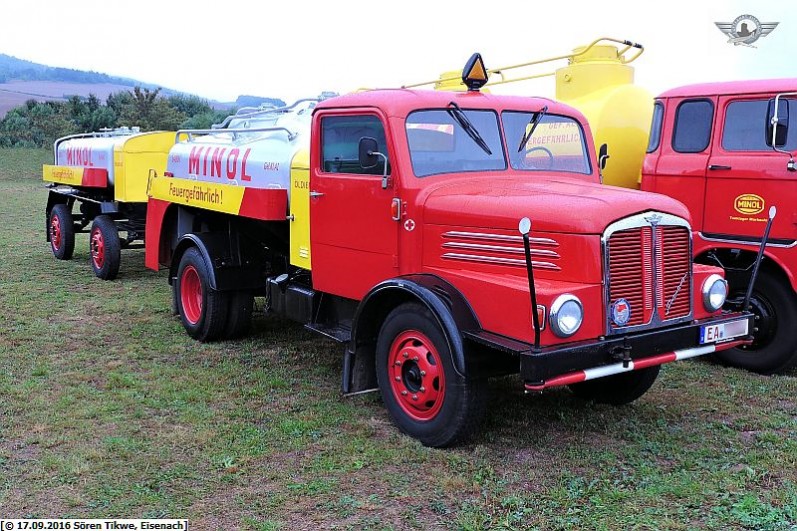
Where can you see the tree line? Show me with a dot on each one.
(39, 124)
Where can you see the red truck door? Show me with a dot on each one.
(684, 153)
(746, 176)
(353, 237)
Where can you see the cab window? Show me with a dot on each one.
(655, 127)
(340, 144)
(693, 126)
(746, 126)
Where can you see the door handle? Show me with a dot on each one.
(718, 167)
(316, 194)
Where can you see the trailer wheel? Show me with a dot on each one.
(62, 232)
(424, 395)
(774, 347)
(105, 251)
(239, 315)
(617, 389)
(202, 309)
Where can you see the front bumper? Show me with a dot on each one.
(576, 362)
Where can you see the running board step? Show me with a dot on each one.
(341, 334)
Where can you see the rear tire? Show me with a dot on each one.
(61, 229)
(239, 315)
(422, 391)
(774, 347)
(105, 250)
(202, 309)
(617, 389)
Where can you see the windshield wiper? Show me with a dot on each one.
(457, 114)
(535, 120)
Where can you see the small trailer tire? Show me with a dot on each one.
(422, 391)
(105, 253)
(618, 389)
(202, 309)
(61, 229)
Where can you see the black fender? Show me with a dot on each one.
(231, 266)
(451, 310)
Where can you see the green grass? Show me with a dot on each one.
(107, 409)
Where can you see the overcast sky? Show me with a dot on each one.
(293, 49)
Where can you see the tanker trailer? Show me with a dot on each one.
(98, 184)
(246, 167)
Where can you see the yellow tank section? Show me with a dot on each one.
(133, 161)
(599, 84)
(300, 210)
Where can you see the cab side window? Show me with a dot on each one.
(655, 127)
(746, 126)
(693, 126)
(340, 143)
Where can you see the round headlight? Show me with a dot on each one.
(715, 290)
(567, 314)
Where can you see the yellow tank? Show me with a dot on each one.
(600, 84)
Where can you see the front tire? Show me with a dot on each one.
(105, 250)
(202, 309)
(774, 347)
(61, 229)
(617, 389)
(422, 391)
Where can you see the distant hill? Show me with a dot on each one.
(22, 80)
(13, 69)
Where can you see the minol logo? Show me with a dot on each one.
(749, 204)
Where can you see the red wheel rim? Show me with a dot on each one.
(416, 375)
(191, 294)
(97, 244)
(55, 232)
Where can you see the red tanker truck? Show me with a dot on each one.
(438, 242)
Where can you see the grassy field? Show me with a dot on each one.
(107, 409)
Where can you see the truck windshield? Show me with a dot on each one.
(556, 145)
(439, 142)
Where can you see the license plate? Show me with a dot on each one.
(723, 331)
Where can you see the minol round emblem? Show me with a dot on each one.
(621, 312)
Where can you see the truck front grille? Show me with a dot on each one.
(631, 273)
(649, 268)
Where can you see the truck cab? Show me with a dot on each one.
(726, 151)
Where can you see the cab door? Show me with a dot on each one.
(353, 236)
(685, 150)
(746, 176)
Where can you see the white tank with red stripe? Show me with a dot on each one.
(92, 150)
(251, 148)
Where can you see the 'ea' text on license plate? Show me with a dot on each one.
(723, 331)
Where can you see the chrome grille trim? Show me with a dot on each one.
(499, 260)
(654, 221)
(500, 249)
(545, 242)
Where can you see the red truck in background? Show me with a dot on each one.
(726, 151)
(396, 222)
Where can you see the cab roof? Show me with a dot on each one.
(401, 102)
(727, 88)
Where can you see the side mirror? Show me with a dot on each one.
(367, 149)
(603, 156)
(777, 122)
